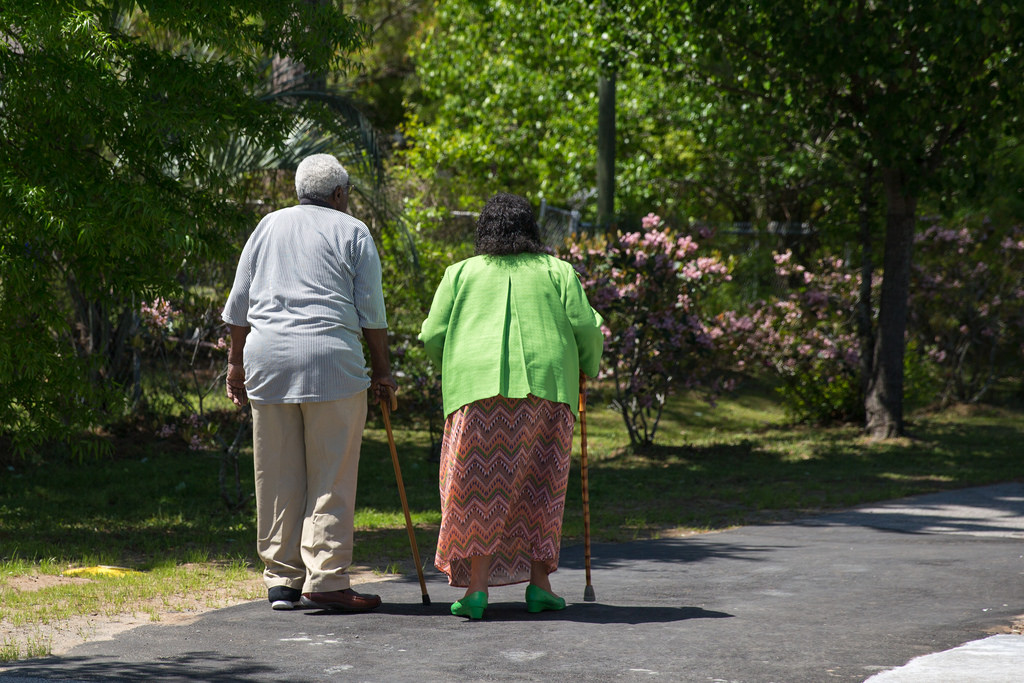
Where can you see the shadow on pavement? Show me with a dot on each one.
(994, 510)
(671, 551)
(202, 666)
(584, 613)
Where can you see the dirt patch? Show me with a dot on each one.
(1015, 627)
(59, 637)
(35, 582)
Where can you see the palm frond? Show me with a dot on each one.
(336, 127)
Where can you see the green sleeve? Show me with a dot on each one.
(435, 327)
(586, 327)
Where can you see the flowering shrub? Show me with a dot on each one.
(191, 367)
(184, 347)
(967, 306)
(198, 431)
(158, 315)
(806, 339)
(649, 287)
(966, 325)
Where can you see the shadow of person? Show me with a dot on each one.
(596, 613)
(584, 613)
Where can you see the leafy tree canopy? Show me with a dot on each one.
(112, 111)
(507, 99)
(915, 86)
(918, 95)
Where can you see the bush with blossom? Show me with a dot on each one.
(198, 431)
(807, 339)
(967, 306)
(158, 315)
(188, 369)
(965, 327)
(183, 346)
(650, 286)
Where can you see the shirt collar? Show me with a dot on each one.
(315, 202)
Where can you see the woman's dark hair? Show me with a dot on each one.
(507, 226)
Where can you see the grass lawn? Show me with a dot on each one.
(154, 506)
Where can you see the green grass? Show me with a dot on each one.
(154, 505)
(740, 463)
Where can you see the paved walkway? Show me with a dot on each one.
(923, 589)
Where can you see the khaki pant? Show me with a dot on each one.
(306, 459)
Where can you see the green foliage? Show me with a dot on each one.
(441, 240)
(488, 118)
(386, 70)
(507, 100)
(901, 91)
(106, 188)
(910, 85)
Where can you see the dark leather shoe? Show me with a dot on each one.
(341, 601)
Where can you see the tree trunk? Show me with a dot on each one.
(286, 72)
(605, 150)
(883, 403)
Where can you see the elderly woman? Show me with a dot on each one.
(511, 330)
(307, 289)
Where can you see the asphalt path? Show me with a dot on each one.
(924, 589)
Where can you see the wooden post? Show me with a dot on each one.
(605, 150)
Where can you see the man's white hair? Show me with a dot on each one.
(318, 175)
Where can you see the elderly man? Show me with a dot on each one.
(308, 284)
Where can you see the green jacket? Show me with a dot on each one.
(512, 326)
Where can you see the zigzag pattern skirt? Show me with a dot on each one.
(504, 471)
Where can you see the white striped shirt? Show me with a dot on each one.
(308, 281)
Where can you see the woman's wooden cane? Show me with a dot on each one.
(385, 411)
(588, 592)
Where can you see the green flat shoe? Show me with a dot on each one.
(538, 600)
(472, 606)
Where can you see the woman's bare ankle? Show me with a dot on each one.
(539, 578)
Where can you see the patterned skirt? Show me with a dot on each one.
(504, 471)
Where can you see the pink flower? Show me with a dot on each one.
(684, 247)
(158, 314)
(630, 239)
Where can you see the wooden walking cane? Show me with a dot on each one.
(385, 411)
(588, 592)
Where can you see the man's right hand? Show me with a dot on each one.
(383, 388)
(236, 385)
